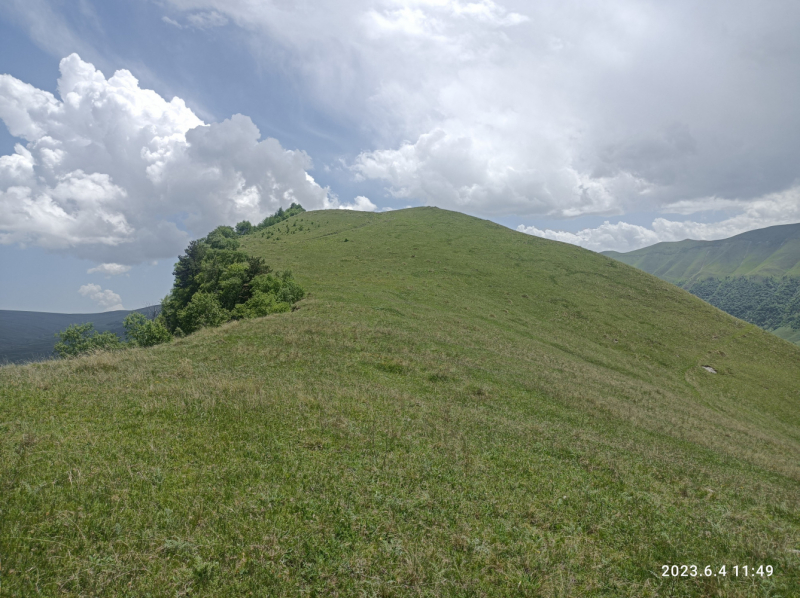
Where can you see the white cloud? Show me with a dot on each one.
(360, 204)
(109, 269)
(107, 299)
(558, 107)
(619, 237)
(774, 209)
(199, 20)
(172, 22)
(457, 172)
(115, 173)
(207, 20)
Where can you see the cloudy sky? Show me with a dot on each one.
(131, 127)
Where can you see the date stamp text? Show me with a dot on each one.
(723, 571)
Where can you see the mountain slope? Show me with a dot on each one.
(456, 409)
(772, 251)
(30, 335)
(754, 276)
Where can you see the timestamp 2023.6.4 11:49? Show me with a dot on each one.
(723, 571)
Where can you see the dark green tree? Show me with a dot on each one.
(280, 216)
(222, 237)
(244, 228)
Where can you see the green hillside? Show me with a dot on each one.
(455, 409)
(772, 251)
(754, 276)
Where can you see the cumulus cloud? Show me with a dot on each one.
(774, 209)
(559, 107)
(116, 173)
(107, 299)
(360, 204)
(455, 171)
(109, 269)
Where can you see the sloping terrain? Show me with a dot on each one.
(457, 409)
(30, 335)
(754, 276)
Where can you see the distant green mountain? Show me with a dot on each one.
(772, 251)
(30, 335)
(754, 276)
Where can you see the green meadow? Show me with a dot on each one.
(455, 409)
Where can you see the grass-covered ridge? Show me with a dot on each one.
(456, 409)
(773, 251)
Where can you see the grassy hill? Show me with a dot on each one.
(30, 335)
(457, 409)
(772, 251)
(754, 276)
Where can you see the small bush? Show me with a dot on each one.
(260, 304)
(78, 339)
(244, 228)
(391, 367)
(142, 332)
(278, 217)
(203, 310)
(202, 570)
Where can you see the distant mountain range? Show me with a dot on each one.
(30, 335)
(754, 276)
(772, 251)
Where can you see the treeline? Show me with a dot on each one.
(769, 302)
(214, 283)
(245, 228)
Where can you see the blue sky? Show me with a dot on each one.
(612, 125)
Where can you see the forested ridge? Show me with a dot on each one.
(769, 302)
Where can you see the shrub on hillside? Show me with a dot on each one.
(142, 332)
(204, 310)
(78, 339)
(223, 237)
(244, 228)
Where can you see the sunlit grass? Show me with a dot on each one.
(456, 410)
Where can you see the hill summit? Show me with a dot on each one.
(455, 409)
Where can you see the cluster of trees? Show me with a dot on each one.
(769, 302)
(245, 228)
(83, 338)
(214, 283)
